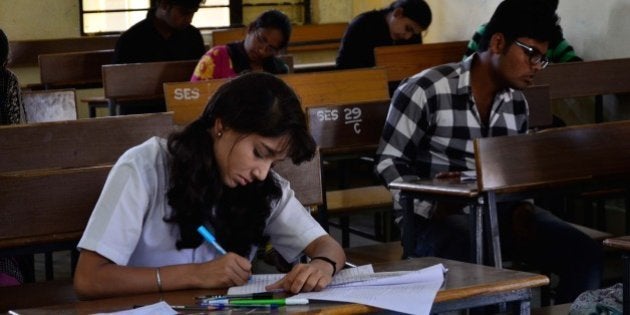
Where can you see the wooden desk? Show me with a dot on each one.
(565, 160)
(451, 190)
(466, 285)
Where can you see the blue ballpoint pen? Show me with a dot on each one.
(210, 238)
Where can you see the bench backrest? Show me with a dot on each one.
(303, 37)
(49, 105)
(539, 106)
(26, 52)
(339, 129)
(143, 80)
(403, 61)
(559, 156)
(52, 175)
(74, 69)
(187, 100)
(79, 143)
(305, 179)
(587, 78)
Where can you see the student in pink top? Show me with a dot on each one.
(266, 37)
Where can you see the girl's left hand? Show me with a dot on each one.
(314, 276)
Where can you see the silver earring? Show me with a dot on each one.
(219, 134)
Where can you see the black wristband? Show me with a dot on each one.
(328, 260)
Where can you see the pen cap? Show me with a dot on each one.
(295, 301)
(205, 233)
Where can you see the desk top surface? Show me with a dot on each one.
(449, 187)
(463, 280)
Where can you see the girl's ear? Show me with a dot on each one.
(217, 129)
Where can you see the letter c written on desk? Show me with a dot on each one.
(186, 94)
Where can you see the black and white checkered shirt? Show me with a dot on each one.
(433, 120)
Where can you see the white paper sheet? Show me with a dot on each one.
(409, 292)
(159, 308)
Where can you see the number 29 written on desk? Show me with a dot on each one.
(351, 115)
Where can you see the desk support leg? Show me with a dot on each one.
(409, 226)
(92, 110)
(493, 229)
(476, 217)
(112, 107)
(626, 282)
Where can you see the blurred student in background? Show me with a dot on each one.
(164, 35)
(401, 23)
(266, 37)
(11, 107)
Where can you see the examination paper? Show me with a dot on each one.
(409, 292)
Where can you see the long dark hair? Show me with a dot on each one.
(254, 103)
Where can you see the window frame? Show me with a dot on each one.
(236, 8)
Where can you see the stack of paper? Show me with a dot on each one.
(409, 292)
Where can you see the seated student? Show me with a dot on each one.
(401, 23)
(164, 35)
(11, 107)
(559, 48)
(266, 37)
(216, 172)
(11, 112)
(429, 131)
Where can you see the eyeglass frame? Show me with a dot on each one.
(535, 56)
(260, 40)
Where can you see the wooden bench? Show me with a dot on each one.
(126, 83)
(311, 37)
(188, 99)
(25, 53)
(403, 61)
(74, 69)
(51, 175)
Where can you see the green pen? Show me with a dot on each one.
(254, 302)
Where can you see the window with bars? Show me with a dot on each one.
(100, 17)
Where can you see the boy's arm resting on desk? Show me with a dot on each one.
(317, 274)
(98, 277)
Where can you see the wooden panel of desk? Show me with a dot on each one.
(463, 281)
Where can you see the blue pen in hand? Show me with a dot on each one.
(210, 238)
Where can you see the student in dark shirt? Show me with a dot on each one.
(11, 107)
(165, 35)
(401, 23)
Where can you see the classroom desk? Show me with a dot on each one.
(451, 190)
(466, 285)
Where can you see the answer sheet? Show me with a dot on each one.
(409, 292)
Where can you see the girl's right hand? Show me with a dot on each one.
(225, 271)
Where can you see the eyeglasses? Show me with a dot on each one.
(262, 41)
(535, 57)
